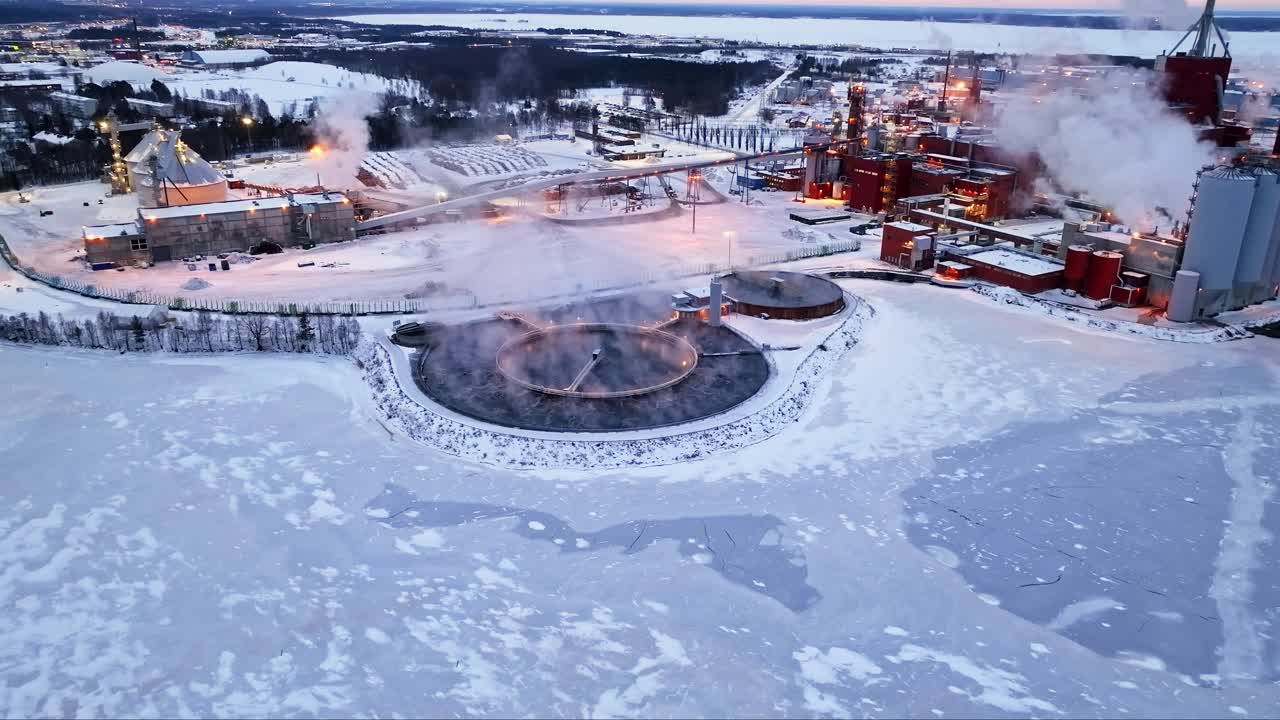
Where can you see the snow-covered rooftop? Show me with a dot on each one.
(235, 206)
(1014, 262)
(112, 230)
(52, 138)
(121, 71)
(227, 57)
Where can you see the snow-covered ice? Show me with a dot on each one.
(246, 535)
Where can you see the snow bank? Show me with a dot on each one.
(496, 447)
(1009, 296)
(121, 71)
(196, 283)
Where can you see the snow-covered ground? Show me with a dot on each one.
(492, 260)
(286, 86)
(983, 512)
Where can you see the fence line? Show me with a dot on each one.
(396, 306)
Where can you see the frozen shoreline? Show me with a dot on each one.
(843, 32)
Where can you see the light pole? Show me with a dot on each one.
(694, 178)
(729, 236)
(248, 128)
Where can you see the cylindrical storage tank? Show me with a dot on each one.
(813, 160)
(1217, 231)
(1271, 270)
(1077, 266)
(1258, 231)
(1104, 271)
(1182, 301)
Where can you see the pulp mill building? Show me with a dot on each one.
(171, 233)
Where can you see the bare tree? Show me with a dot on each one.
(256, 327)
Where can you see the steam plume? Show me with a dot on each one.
(1119, 144)
(342, 135)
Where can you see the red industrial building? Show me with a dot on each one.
(1022, 272)
(1193, 80)
(907, 245)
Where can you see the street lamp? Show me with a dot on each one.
(730, 236)
(695, 177)
(248, 128)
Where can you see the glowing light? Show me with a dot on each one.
(317, 150)
(246, 121)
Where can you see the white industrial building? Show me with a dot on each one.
(212, 59)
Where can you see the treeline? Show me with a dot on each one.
(468, 75)
(861, 67)
(121, 32)
(325, 334)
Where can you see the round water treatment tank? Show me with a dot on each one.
(1218, 226)
(783, 295)
(1077, 266)
(1104, 271)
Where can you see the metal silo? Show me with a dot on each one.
(1271, 268)
(1216, 236)
(1252, 265)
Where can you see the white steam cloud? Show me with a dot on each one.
(1119, 145)
(1172, 14)
(342, 134)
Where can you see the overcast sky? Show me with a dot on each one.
(1156, 7)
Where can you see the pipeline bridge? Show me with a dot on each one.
(589, 176)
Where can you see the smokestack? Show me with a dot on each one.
(717, 300)
(946, 79)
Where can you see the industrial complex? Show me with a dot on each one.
(922, 171)
(557, 360)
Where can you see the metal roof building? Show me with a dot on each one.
(225, 58)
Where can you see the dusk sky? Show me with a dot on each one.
(1154, 7)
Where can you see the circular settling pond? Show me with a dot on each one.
(590, 368)
(596, 360)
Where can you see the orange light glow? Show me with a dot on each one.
(317, 150)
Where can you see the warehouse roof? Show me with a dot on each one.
(276, 202)
(227, 57)
(1014, 262)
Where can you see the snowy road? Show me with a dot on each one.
(239, 535)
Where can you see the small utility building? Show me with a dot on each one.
(907, 245)
(1026, 273)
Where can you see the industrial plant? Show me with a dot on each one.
(947, 188)
(641, 359)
